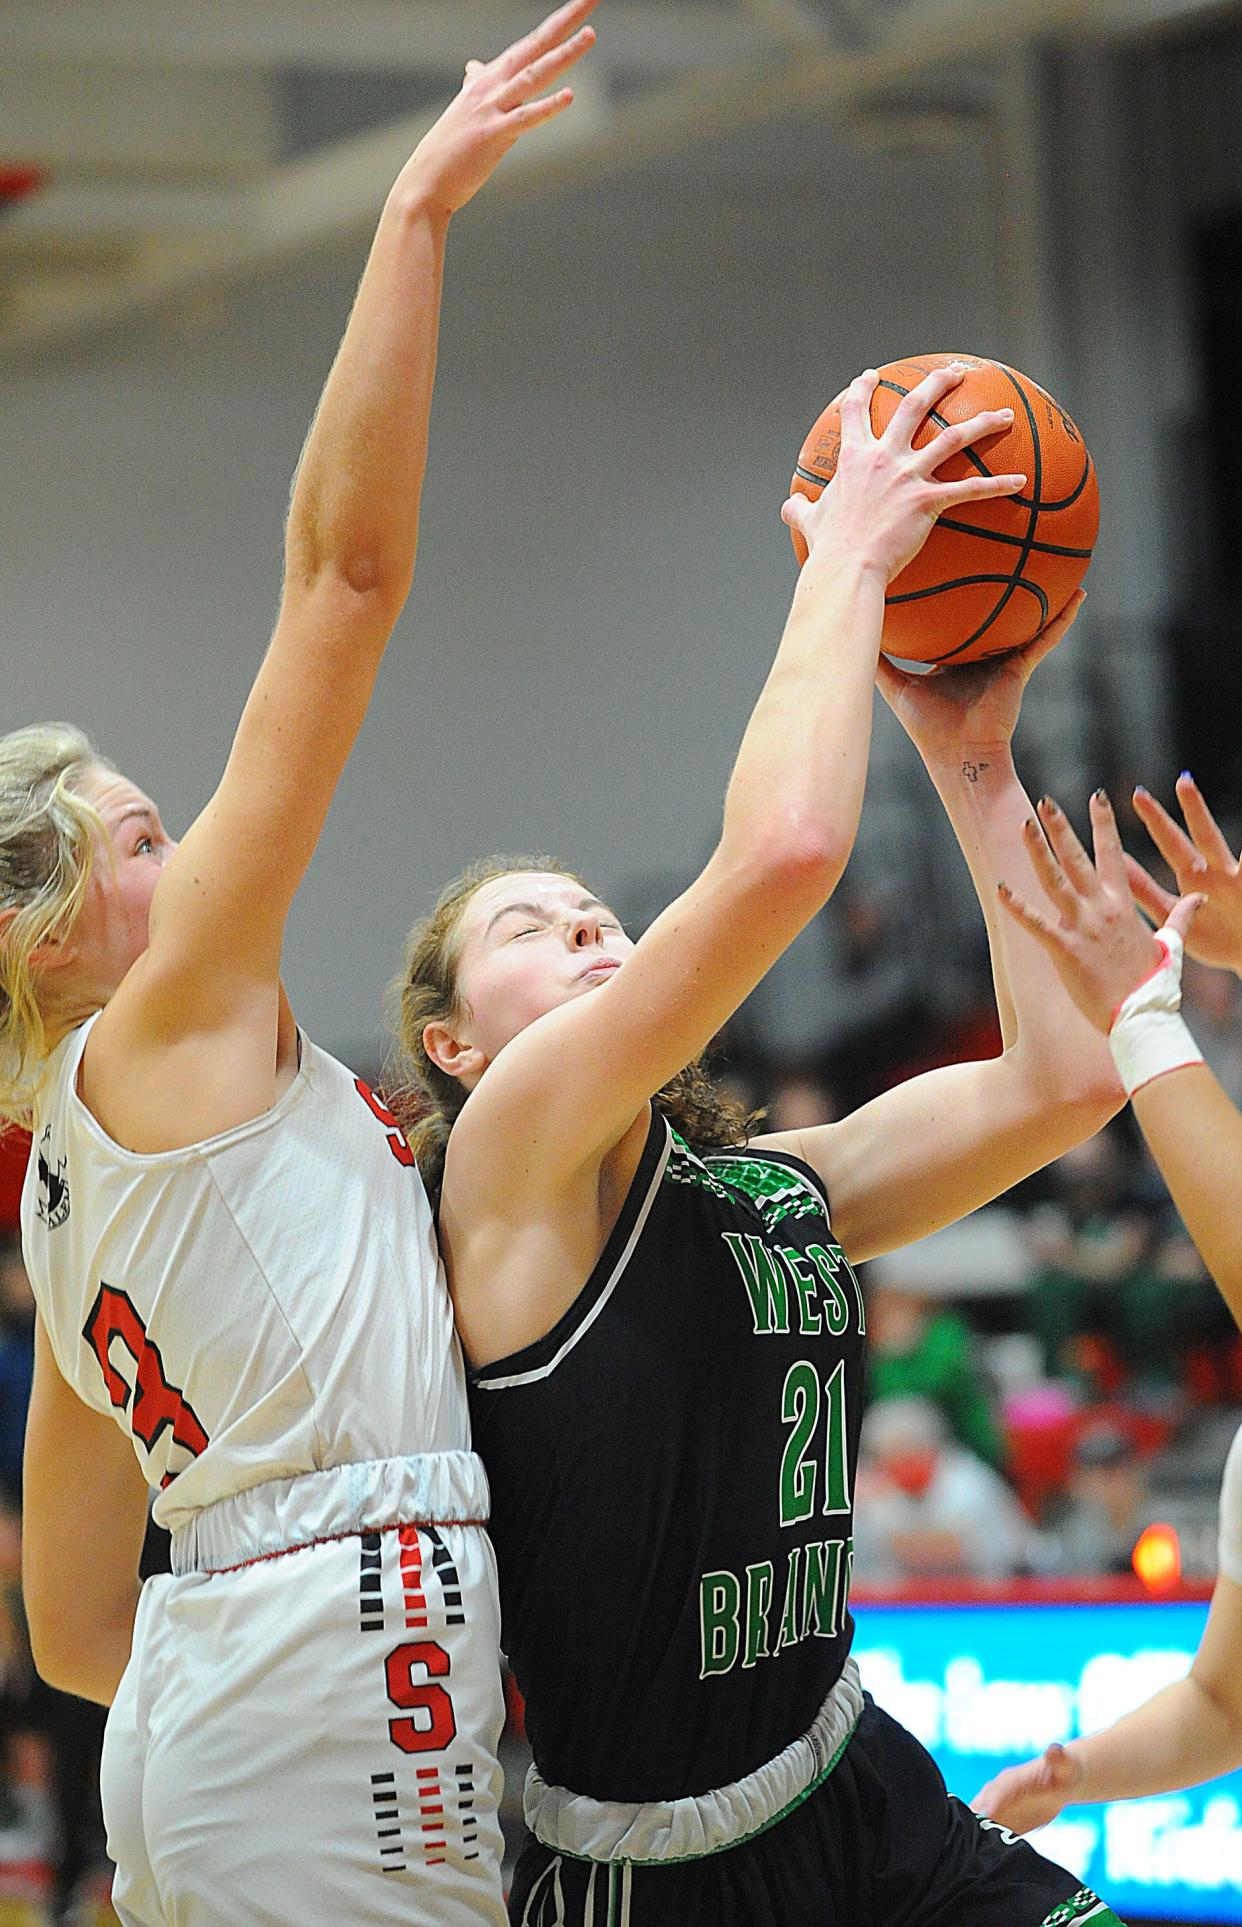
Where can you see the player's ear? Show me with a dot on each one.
(51, 954)
(453, 1055)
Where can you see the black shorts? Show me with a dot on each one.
(881, 1844)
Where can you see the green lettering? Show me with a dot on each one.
(720, 1602)
(837, 1470)
(836, 1306)
(809, 1320)
(790, 1632)
(799, 1408)
(764, 1281)
(821, 1585)
(760, 1580)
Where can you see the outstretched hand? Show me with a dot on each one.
(500, 100)
(1088, 924)
(882, 503)
(1202, 862)
(1029, 1796)
(973, 707)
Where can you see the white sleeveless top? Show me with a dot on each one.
(263, 1304)
(1230, 1545)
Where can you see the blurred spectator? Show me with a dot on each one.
(798, 1100)
(921, 1349)
(926, 1507)
(1107, 1507)
(1094, 1247)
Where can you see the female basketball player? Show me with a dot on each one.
(238, 1287)
(664, 1331)
(1192, 1730)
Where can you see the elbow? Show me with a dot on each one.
(804, 860)
(355, 577)
(1083, 1093)
(55, 1653)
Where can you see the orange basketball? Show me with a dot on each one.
(991, 574)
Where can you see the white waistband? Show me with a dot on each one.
(703, 1823)
(430, 1488)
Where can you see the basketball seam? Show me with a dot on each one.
(971, 582)
(1010, 541)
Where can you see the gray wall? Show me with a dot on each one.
(627, 373)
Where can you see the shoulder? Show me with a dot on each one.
(779, 1183)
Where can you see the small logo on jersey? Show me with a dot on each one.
(53, 1184)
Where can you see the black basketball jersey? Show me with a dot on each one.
(672, 1479)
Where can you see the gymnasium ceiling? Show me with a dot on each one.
(184, 144)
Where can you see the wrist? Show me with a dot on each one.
(981, 765)
(1148, 1036)
(413, 198)
(1079, 1789)
(834, 560)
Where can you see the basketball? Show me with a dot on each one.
(991, 574)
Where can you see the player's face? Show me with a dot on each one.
(529, 943)
(112, 928)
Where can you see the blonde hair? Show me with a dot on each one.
(427, 1101)
(47, 842)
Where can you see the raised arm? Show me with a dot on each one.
(84, 1518)
(563, 1092)
(937, 1147)
(1107, 960)
(218, 916)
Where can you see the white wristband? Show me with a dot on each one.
(1148, 1036)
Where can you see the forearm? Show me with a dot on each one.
(86, 1649)
(356, 495)
(988, 809)
(1178, 1738)
(802, 765)
(1194, 1133)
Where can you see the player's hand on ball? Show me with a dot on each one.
(967, 713)
(882, 503)
(1202, 862)
(1025, 1797)
(500, 100)
(1087, 923)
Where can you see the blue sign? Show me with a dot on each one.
(985, 1687)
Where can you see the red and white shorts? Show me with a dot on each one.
(307, 1728)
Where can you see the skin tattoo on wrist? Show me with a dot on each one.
(973, 771)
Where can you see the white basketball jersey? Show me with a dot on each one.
(1230, 1541)
(263, 1304)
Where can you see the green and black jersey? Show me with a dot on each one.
(672, 1481)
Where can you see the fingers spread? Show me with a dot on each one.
(856, 408)
(538, 74)
(975, 488)
(1169, 838)
(1055, 883)
(1068, 850)
(1110, 858)
(535, 112)
(1202, 825)
(566, 20)
(962, 435)
(1147, 892)
(1031, 920)
(913, 409)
